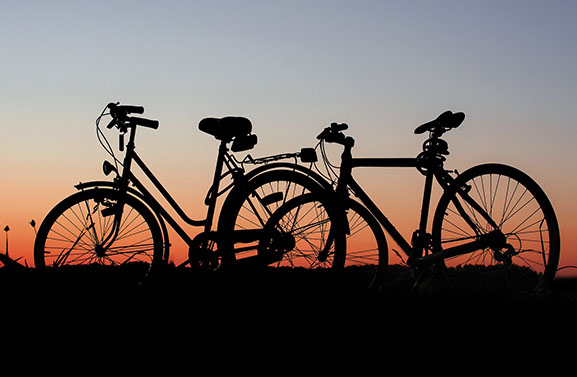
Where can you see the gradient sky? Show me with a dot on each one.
(292, 67)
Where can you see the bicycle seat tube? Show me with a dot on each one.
(214, 190)
(431, 164)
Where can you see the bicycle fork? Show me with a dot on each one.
(89, 230)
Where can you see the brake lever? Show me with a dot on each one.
(111, 124)
(324, 133)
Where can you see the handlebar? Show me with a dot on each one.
(333, 134)
(121, 116)
(149, 123)
(339, 126)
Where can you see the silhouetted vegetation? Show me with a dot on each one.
(294, 287)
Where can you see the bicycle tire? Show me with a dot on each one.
(72, 232)
(312, 219)
(366, 243)
(250, 206)
(524, 215)
(364, 249)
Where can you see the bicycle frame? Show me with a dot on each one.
(225, 162)
(124, 179)
(421, 240)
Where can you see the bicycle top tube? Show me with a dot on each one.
(410, 162)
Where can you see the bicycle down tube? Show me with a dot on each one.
(367, 201)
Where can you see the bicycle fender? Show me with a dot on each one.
(106, 184)
(111, 185)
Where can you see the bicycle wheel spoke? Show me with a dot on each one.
(88, 228)
(529, 254)
(261, 198)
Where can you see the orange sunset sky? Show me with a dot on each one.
(292, 67)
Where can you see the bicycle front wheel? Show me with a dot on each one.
(527, 260)
(98, 227)
(298, 234)
(306, 232)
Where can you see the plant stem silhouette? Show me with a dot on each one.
(6, 230)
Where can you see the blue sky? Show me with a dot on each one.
(292, 67)
(285, 61)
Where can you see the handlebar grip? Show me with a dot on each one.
(116, 108)
(130, 109)
(145, 122)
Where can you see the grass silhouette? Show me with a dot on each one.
(297, 286)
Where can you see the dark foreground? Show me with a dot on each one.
(272, 316)
(244, 291)
(271, 320)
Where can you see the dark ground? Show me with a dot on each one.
(273, 317)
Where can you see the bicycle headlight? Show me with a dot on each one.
(108, 168)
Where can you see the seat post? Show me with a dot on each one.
(213, 193)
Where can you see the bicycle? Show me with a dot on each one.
(493, 230)
(120, 222)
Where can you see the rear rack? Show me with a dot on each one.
(305, 155)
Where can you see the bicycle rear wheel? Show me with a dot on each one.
(98, 227)
(527, 261)
(250, 207)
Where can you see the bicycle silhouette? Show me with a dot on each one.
(119, 222)
(493, 229)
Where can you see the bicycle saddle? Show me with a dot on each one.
(227, 128)
(444, 122)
